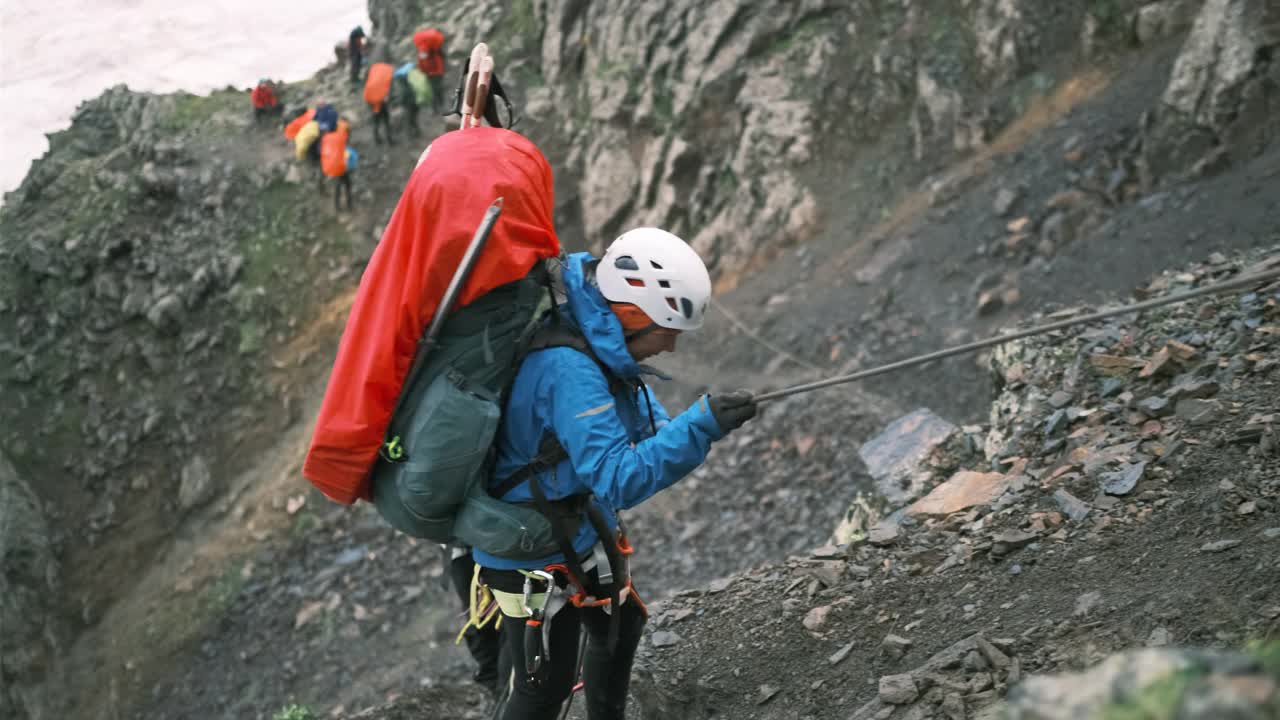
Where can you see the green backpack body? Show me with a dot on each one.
(430, 480)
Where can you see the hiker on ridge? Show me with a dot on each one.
(582, 430)
(355, 52)
(264, 101)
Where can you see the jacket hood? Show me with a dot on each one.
(591, 313)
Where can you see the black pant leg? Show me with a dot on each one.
(607, 676)
(437, 93)
(484, 644)
(544, 700)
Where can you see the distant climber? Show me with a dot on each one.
(326, 116)
(430, 44)
(410, 91)
(583, 437)
(266, 104)
(337, 161)
(377, 93)
(355, 52)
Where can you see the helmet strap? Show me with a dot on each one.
(643, 331)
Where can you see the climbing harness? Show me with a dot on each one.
(1213, 289)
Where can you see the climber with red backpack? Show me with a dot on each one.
(472, 409)
(430, 45)
(264, 100)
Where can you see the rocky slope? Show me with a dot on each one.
(160, 266)
(1123, 493)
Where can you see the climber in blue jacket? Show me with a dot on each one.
(583, 437)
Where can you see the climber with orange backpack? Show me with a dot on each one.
(337, 161)
(430, 45)
(377, 93)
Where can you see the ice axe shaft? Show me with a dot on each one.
(450, 296)
(1213, 289)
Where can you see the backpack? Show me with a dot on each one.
(430, 44)
(305, 138)
(422, 92)
(333, 151)
(263, 96)
(417, 443)
(378, 85)
(291, 130)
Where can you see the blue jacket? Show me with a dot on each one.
(613, 450)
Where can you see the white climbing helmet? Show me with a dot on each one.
(659, 273)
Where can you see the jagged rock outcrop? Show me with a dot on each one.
(1156, 682)
(1223, 90)
(30, 635)
(711, 118)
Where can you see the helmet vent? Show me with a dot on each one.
(655, 265)
(664, 283)
(686, 307)
(626, 262)
(635, 282)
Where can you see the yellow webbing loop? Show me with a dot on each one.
(482, 608)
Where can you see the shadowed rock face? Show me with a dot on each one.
(708, 118)
(28, 580)
(1223, 89)
(718, 120)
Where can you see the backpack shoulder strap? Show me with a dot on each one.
(550, 451)
(550, 454)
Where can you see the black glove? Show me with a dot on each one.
(733, 409)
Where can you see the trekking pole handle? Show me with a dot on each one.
(1213, 289)
(469, 260)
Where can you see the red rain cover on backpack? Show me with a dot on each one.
(460, 174)
(333, 151)
(430, 58)
(378, 85)
(291, 130)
